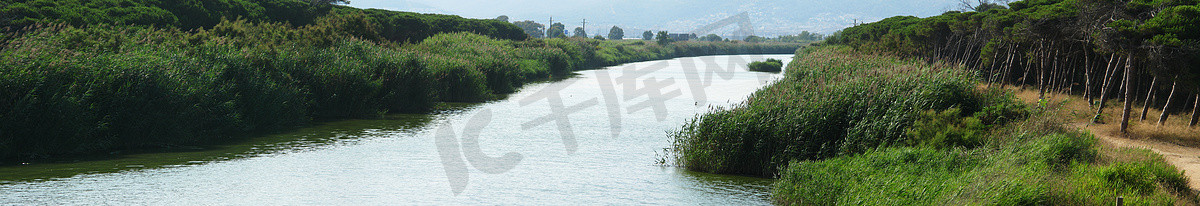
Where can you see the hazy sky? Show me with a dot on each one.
(769, 18)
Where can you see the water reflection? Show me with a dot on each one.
(607, 157)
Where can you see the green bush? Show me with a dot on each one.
(831, 102)
(771, 65)
(946, 129)
(1002, 109)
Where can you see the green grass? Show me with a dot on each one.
(831, 102)
(1030, 168)
(68, 90)
(845, 128)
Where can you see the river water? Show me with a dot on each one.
(595, 138)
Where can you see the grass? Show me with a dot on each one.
(827, 105)
(1021, 167)
(847, 128)
(69, 91)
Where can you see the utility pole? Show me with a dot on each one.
(585, 24)
(548, 27)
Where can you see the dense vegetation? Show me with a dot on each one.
(830, 103)
(1099, 49)
(848, 128)
(770, 65)
(195, 14)
(79, 86)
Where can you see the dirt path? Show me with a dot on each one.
(1185, 158)
(1165, 140)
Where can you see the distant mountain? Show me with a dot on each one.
(770, 18)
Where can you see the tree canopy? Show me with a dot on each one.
(1098, 48)
(616, 33)
(711, 37)
(533, 29)
(579, 32)
(557, 30)
(664, 38)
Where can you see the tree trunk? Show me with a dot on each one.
(1070, 78)
(1057, 81)
(1042, 71)
(992, 69)
(1008, 64)
(1087, 75)
(1121, 85)
(1025, 77)
(1128, 93)
(1195, 108)
(1149, 98)
(1110, 69)
(1166, 111)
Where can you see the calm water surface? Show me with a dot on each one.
(592, 139)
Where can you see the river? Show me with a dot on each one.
(593, 139)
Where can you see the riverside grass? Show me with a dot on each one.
(67, 91)
(870, 147)
(824, 107)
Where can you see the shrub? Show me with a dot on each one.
(946, 129)
(831, 102)
(771, 65)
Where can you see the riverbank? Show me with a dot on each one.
(914, 133)
(74, 91)
(400, 159)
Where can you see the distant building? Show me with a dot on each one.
(682, 37)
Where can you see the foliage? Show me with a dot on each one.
(579, 32)
(946, 129)
(196, 14)
(866, 102)
(1009, 174)
(648, 35)
(1162, 36)
(803, 37)
(616, 33)
(755, 39)
(557, 30)
(664, 38)
(533, 29)
(710, 37)
(771, 65)
(67, 90)
(949, 158)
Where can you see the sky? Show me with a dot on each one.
(768, 18)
